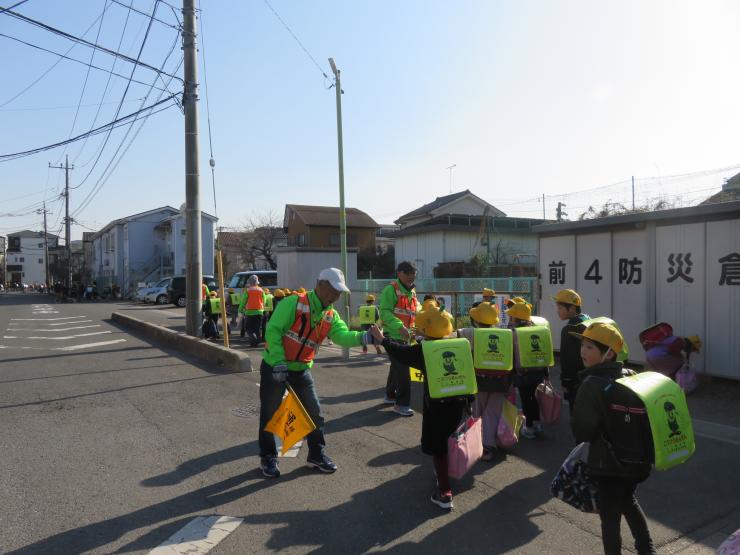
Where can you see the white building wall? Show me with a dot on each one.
(643, 281)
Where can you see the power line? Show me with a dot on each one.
(136, 62)
(175, 27)
(68, 107)
(212, 161)
(13, 6)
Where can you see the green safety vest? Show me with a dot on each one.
(268, 303)
(450, 371)
(234, 298)
(215, 305)
(367, 314)
(535, 347)
(670, 422)
(625, 352)
(493, 349)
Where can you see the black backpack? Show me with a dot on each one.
(628, 435)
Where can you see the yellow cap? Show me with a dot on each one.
(567, 296)
(429, 303)
(521, 311)
(488, 292)
(603, 333)
(231, 290)
(286, 291)
(266, 290)
(279, 294)
(515, 300)
(485, 313)
(213, 293)
(434, 323)
(301, 290)
(370, 298)
(695, 342)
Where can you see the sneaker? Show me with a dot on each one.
(269, 466)
(378, 350)
(527, 432)
(403, 410)
(538, 428)
(389, 400)
(442, 500)
(323, 463)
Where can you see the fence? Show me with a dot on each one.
(460, 292)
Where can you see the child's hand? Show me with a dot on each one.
(377, 334)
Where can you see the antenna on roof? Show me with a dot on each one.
(453, 166)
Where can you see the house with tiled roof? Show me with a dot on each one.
(730, 191)
(318, 227)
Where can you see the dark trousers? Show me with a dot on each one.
(530, 406)
(271, 395)
(617, 498)
(263, 324)
(253, 323)
(398, 384)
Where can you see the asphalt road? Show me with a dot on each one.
(111, 445)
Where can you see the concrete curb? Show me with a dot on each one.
(193, 346)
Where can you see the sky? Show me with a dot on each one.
(561, 98)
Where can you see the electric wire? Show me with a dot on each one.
(212, 161)
(175, 27)
(13, 6)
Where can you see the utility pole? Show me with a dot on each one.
(342, 212)
(46, 244)
(560, 212)
(452, 167)
(543, 207)
(67, 220)
(633, 193)
(193, 254)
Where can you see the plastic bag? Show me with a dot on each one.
(573, 484)
(686, 377)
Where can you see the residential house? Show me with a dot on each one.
(318, 227)
(26, 256)
(454, 228)
(146, 247)
(730, 191)
(2, 260)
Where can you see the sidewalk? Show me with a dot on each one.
(504, 506)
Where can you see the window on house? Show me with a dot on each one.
(22, 259)
(41, 260)
(41, 245)
(301, 241)
(334, 239)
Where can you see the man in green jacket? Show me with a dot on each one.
(398, 307)
(297, 326)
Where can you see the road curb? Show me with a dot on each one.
(193, 346)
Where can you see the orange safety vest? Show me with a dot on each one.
(203, 291)
(301, 341)
(255, 300)
(405, 309)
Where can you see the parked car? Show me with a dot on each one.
(158, 293)
(176, 289)
(268, 278)
(141, 293)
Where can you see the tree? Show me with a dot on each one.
(378, 263)
(264, 234)
(618, 209)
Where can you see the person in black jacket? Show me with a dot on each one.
(616, 481)
(440, 417)
(568, 304)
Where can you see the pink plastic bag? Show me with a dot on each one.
(686, 378)
(507, 433)
(464, 447)
(550, 402)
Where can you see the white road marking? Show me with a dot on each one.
(45, 319)
(62, 329)
(58, 338)
(68, 323)
(719, 432)
(88, 345)
(198, 536)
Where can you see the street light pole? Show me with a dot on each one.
(342, 212)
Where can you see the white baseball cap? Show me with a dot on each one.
(335, 277)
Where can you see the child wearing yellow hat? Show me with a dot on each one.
(492, 387)
(526, 380)
(440, 418)
(616, 482)
(568, 304)
(370, 301)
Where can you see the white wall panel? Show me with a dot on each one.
(557, 270)
(630, 287)
(594, 273)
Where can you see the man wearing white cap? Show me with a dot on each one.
(294, 332)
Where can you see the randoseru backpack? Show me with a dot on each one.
(628, 433)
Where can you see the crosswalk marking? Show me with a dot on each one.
(48, 319)
(88, 345)
(68, 323)
(61, 329)
(198, 536)
(57, 338)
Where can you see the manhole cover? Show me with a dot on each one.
(245, 412)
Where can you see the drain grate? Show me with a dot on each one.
(248, 411)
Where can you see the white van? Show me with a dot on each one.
(268, 278)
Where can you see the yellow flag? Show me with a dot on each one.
(416, 375)
(291, 422)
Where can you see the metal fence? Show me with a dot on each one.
(461, 292)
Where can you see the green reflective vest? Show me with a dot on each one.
(449, 365)
(535, 347)
(214, 304)
(493, 349)
(367, 314)
(625, 352)
(670, 422)
(268, 303)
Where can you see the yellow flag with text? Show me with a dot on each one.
(291, 423)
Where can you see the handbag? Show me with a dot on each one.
(507, 433)
(550, 402)
(573, 484)
(464, 447)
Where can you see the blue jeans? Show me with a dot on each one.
(271, 395)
